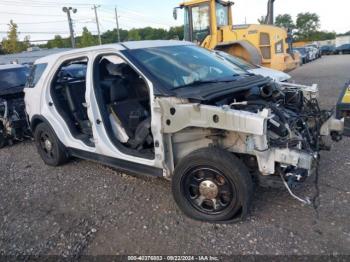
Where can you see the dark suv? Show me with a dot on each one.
(328, 50)
(343, 49)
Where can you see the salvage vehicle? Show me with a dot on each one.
(13, 121)
(172, 109)
(275, 75)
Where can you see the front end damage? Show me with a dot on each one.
(13, 119)
(278, 130)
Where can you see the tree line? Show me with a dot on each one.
(11, 44)
(306, 27)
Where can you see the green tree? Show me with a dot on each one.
(111, 36)
(307, 24)
(285, 21)
(87, 39)
(347, 33)
(11, 44)
(322, 35)
(57, 42)
(176, 32)
(134, 35)
(26, 43)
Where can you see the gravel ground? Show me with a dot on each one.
(84, 208)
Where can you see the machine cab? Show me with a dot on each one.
(202, 18)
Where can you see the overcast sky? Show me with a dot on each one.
(43, 19)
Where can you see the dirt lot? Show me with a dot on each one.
(85, 208)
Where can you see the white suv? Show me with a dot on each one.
(172, 109)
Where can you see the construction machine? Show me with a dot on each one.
(209, 23)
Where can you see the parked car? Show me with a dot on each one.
(316, 49)
(343, 49)
(13, 121)
(303, 54)
(255, 69)
(172, 109)
(328, 49)
(312, 53)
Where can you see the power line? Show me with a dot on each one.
(47, 3)
(47, 22)
(13, 13)
(47, 33)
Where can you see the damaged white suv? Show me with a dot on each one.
(174, 110)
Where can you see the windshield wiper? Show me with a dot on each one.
(203, 82)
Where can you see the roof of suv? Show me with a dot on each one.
(121, 46)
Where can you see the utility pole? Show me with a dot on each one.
(97, 23)
(70, 23)
(117, 21)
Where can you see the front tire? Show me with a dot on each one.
(212, 185)
(51, 150)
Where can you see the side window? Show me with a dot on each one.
(35, 75)
(279, 48)
(265, 46)
(221, 14)
(73, 70)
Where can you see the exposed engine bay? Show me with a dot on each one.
(277, 129)
(13, 120)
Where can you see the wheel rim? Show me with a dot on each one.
(46, 145)
(208, 190)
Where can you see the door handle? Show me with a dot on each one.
(98, 121)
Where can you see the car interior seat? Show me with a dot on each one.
(75, 95)
(132, 115)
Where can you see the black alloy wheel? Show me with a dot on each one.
(208, 190)
(51, 150)
(211, 184)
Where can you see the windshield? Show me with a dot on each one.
(15, 77)
(237, 61)
(180, 66)
(200, 22)
(301, 50)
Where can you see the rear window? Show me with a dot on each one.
(35, 74)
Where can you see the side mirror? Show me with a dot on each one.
(175, 13)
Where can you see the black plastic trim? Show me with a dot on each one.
(122, 165)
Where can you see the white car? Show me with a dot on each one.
(312, 52)
(171, 109)
(276, 75)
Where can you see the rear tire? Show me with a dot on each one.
(212, 185)
(51, 150)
